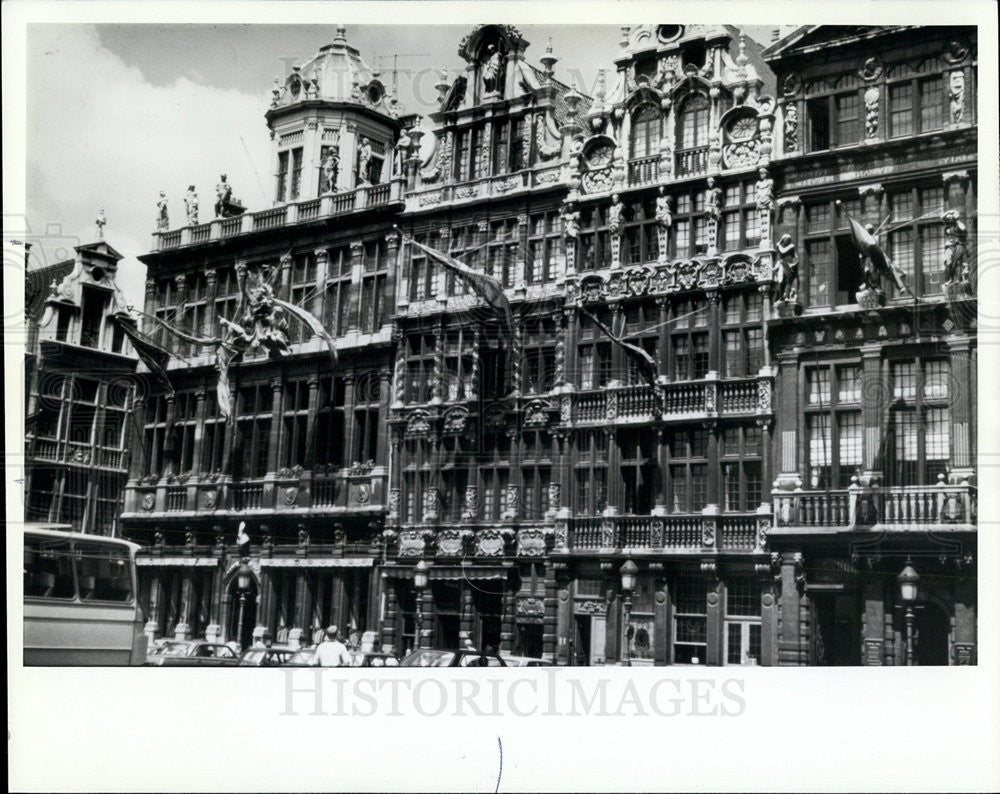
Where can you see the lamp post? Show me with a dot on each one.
(243, 583)
(628, 571)
(909, 581)
(419, 584)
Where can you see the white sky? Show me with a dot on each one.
(117, 113)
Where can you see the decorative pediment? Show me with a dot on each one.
(418, 423)
(456, 421)
(536, 413)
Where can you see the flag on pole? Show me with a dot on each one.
(151, 354)
(485, 286)
(645, 363)
(868, 246)
(310, 321)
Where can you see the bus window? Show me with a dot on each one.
(48, 571)
(103, 572)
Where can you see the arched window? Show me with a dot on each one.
(692, 130)
(645, 131)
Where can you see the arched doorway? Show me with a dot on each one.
(932, 629)
(242, 621)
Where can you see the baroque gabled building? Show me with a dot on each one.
(80, 386)
(876, 435)
(304, 459)
(716, 424)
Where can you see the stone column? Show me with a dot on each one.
(965, 622)
(357, 268)
(663, 341)
(962, 412)
(768, 619)
(199, 432)
(507, 619)
(662, 608)
(787, 402)
(390, 617)
(275, 436)
(183, 629)
(426, 630)
(873, 621)
(392, 272)
(714, 331)
(211, 292)
(555, 626)
(169, 445)
(152, 627)
(349, 429)
(789, 605)
(309, 459)
(873, 410)
(171, 342)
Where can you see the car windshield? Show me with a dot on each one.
(429, 659)
(302, 657)
(251, 657)
(475, 660)
(176, 649)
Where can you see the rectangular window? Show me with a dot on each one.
(819, 386)
(820, 256)
(296, 173)
(931, 103)
(282, 177)
(820, 450)
(818, 113)
(849, 447)
(900, 110)
(690, 620)
(849, 384)
(848, 121)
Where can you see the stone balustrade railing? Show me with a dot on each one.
(328, 205)
(888, 507)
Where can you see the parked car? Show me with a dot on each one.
(275, 656)
(526, 661)
(303, 657)
(373, 659)
(192, 653)
(460, 658)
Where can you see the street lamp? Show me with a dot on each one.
(243, 583)
(628, 571)
(419, 584)
(909, 581)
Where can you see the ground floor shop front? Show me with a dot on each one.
(799, 606)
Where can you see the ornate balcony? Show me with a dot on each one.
(308, 211)
(943, 507)
(685, 533)
(691, 162)
(357, 489)
(644, 171)
(624, 404)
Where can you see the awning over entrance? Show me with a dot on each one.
(317, 562)
(188, 562)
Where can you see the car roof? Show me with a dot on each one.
(57, 531)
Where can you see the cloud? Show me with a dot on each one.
(99, 134)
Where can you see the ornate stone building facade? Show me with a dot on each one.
(304, 459)
(80, 385)
(876, 435)
(678, 210)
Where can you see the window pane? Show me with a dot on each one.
(743, 597)
(849, 384)
(931, 103)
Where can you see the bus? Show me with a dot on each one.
(80, 600)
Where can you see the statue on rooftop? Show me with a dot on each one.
(493, 70)
(191, 205)
(364, 161)
(101, 222)
(330, 166)
(163, 217)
